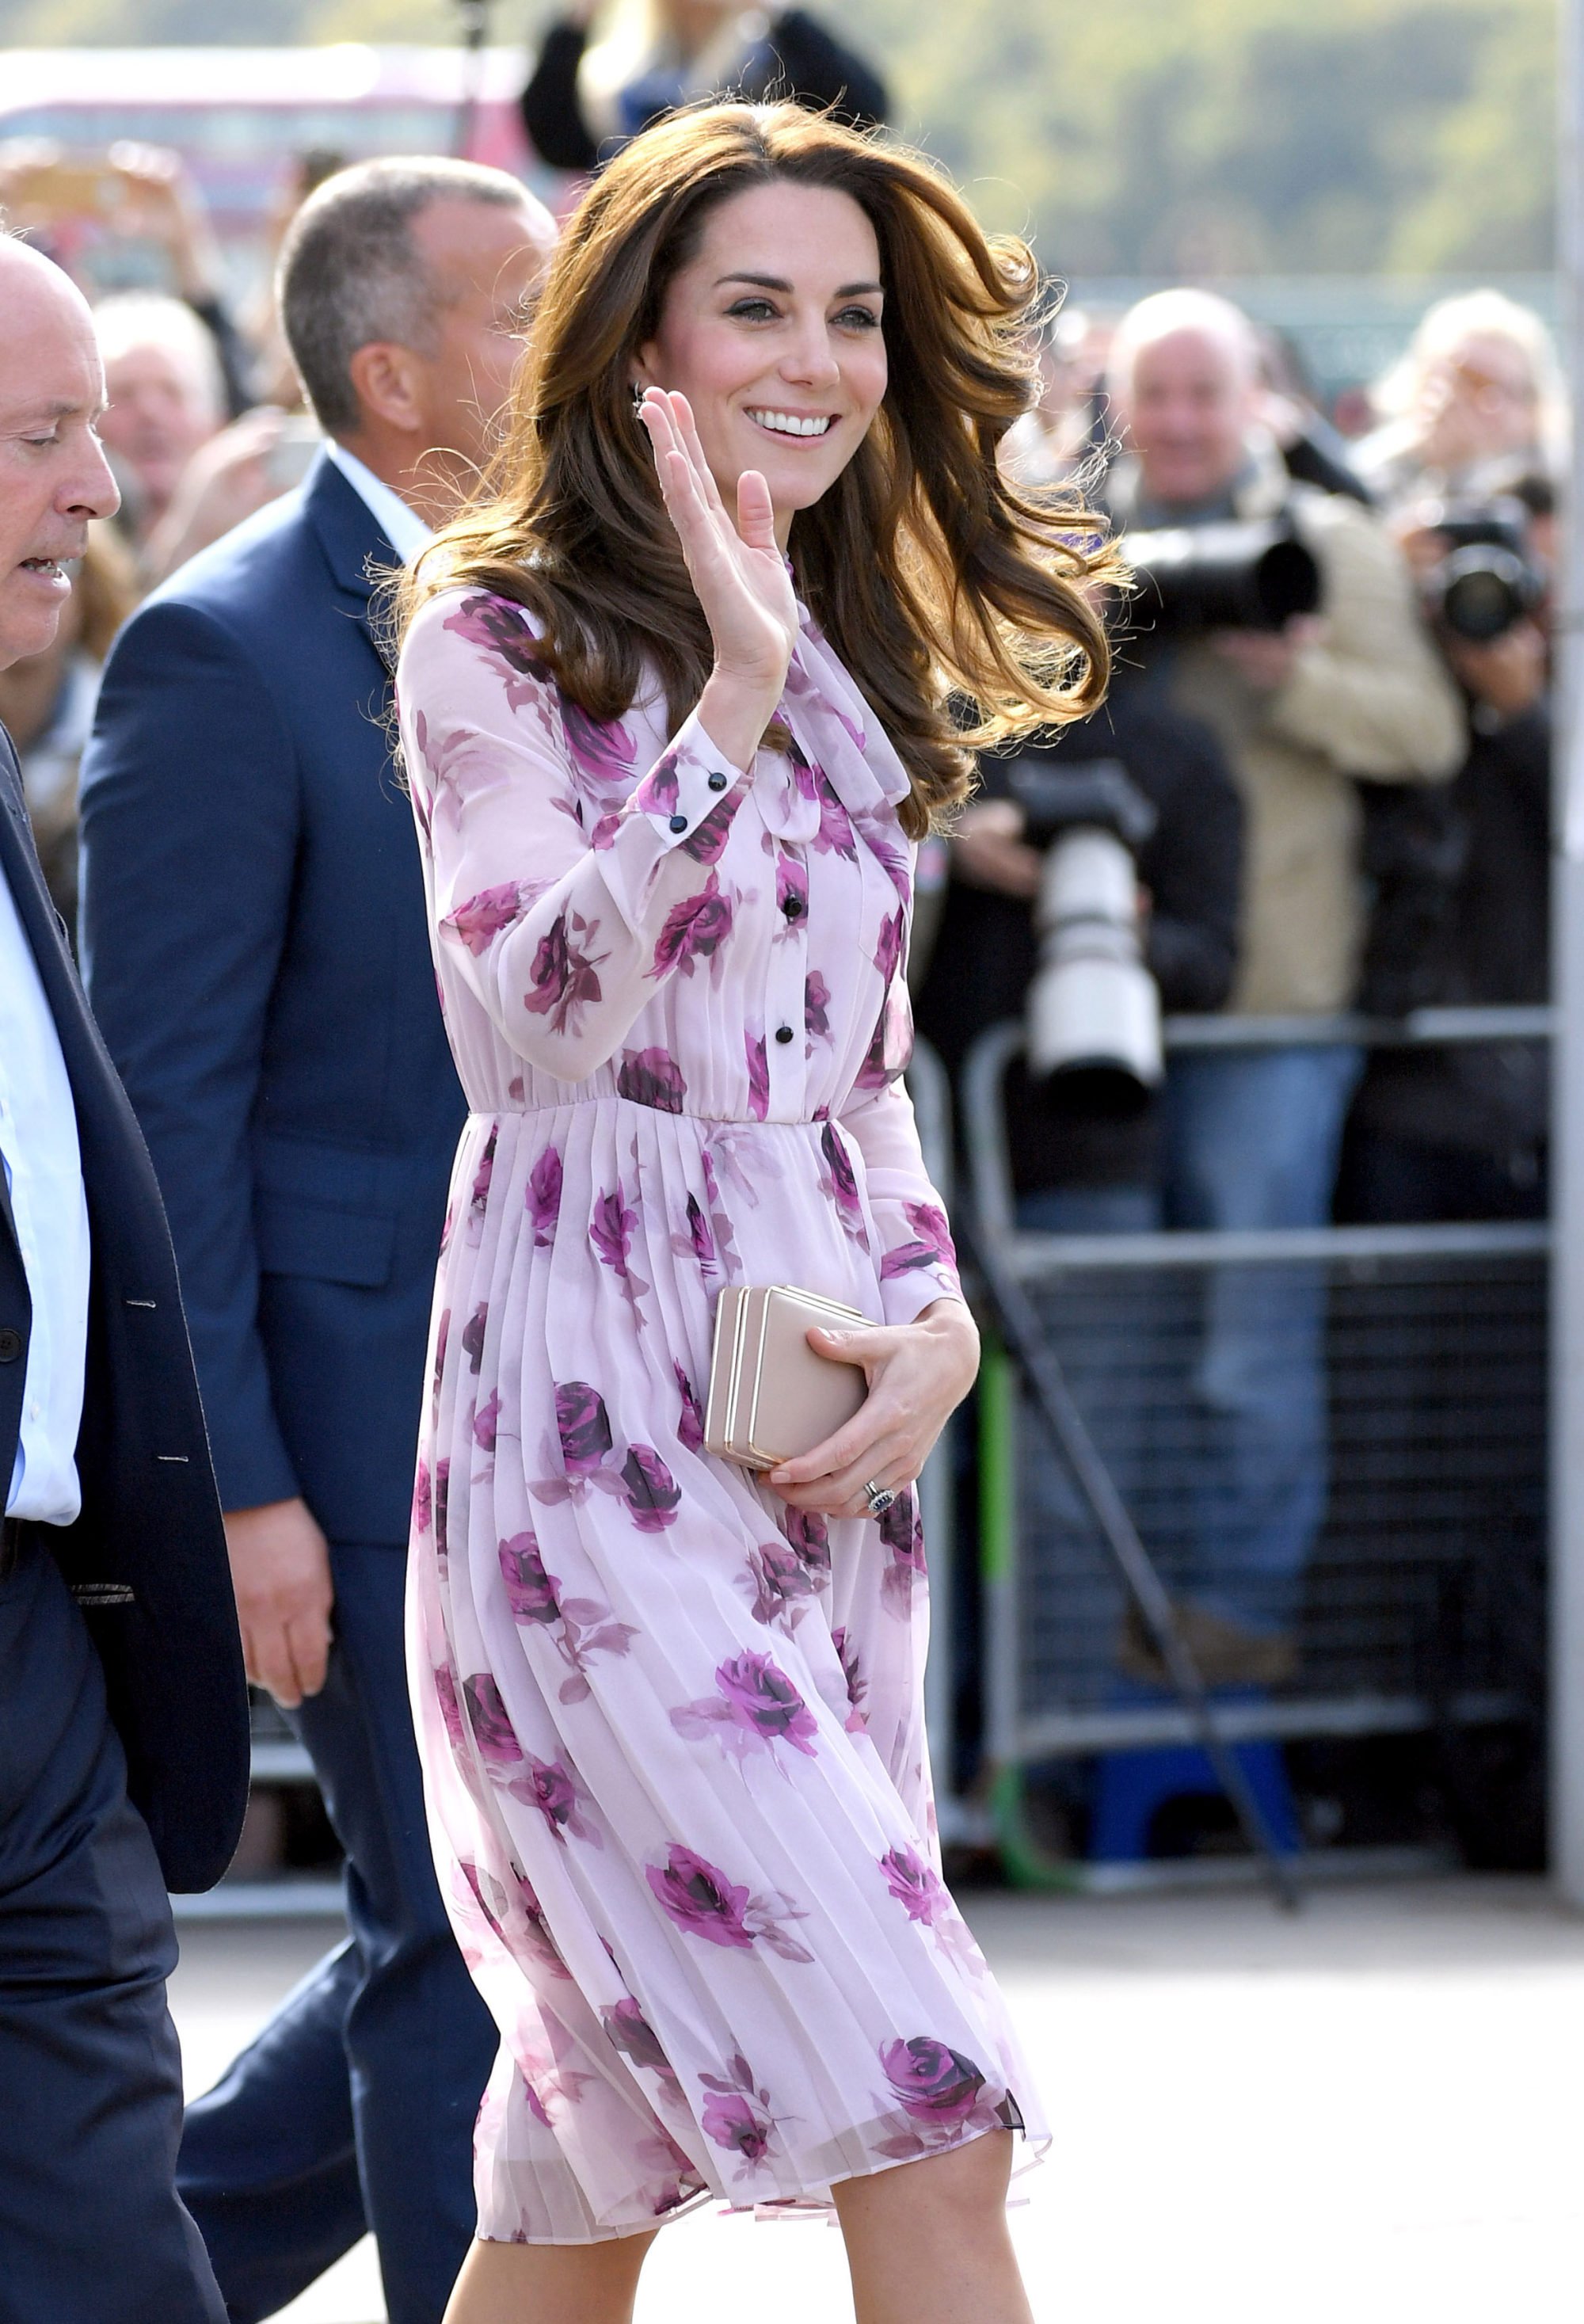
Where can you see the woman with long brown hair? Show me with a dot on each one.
(676, 701)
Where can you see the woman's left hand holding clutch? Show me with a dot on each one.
(917, 1373)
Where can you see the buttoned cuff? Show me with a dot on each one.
(687, 787)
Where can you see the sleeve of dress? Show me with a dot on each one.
(562, 933)
(917, 1261)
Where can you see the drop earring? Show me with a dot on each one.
(638, 392)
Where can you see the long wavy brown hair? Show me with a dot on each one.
(936, 581)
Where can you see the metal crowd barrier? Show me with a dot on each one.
(1422, 1598)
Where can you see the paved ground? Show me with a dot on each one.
(1371, 2113)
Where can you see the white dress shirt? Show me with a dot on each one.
(403, 527)
(43, 1172)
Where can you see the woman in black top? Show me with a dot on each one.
(583, 104)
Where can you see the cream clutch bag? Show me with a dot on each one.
(771, 1397)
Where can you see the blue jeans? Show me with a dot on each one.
(353, 2110)
(1251, 1139)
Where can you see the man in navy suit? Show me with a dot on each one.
(255, 946)
(123, 1770)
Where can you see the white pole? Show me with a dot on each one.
(1567, 1797)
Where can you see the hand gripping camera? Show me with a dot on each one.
(1093, 1011)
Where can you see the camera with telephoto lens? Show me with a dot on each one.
(1093, 1017)
(1232, 575)
(1486, 582)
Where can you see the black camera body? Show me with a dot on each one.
(1486, 582)
(1231, 575)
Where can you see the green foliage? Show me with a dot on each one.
(1153, 137)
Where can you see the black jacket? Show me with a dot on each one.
(798, 58)
(1462, 873)
(986, 953)
(146, 1559)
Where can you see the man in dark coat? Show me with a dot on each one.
(122, 1770)
(254, 941)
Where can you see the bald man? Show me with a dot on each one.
(1251, 1137)
(122, 1715)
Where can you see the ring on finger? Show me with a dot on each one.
(878, 1498)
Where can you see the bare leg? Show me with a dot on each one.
(549, 2284)
(927, 2242)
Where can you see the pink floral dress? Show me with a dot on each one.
(672, 1731)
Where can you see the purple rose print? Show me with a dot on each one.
(501, 629)
(931, 1246)
(843, 1184)
(532, 1593)
(738, 2116)
(719, 1220)
(479, 921)
(539, 1944)
(631, 2034)
(544, 1197)
(887, 952)
(552, 1786)
(423, 1501)
(847, 1653)
(611, 1231)
(762, 1700)
(779, 1579)
(816, 1007)
(700, 1899)
(698, 1242)
(482, 1178)
(915, 1886)
(694, 930)
(690, 1425)
(442, 1496)
(891, 859)
(603, 835)
(759, 1075)
(486, 1420)
(754, 1702)
(653, 1494)
(473, 1336)
(706, 842)
(791, 889)
(835, 835)
(658, 792)
(563, 973)
(902, 1532)
(584, 1627)
(606, 752)
(705, 1904)
(806, 1532)
(934, 2084)
(583, 1426)
(445, 1695)
(651, 1077)
(486, 1715)
(891, 1051)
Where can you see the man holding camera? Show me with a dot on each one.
(1304, 707)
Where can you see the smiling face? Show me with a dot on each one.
(53, 474)
(1188, 407)
(772, 331)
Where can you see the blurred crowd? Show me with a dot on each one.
(1335, 805)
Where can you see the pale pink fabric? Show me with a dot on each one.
(672, 1732)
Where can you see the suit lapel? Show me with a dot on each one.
(355, 549)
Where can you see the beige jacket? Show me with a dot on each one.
(1371, 698)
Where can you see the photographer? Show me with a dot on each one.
(1303, 707)
(1077, 1168)
(1461, 879)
